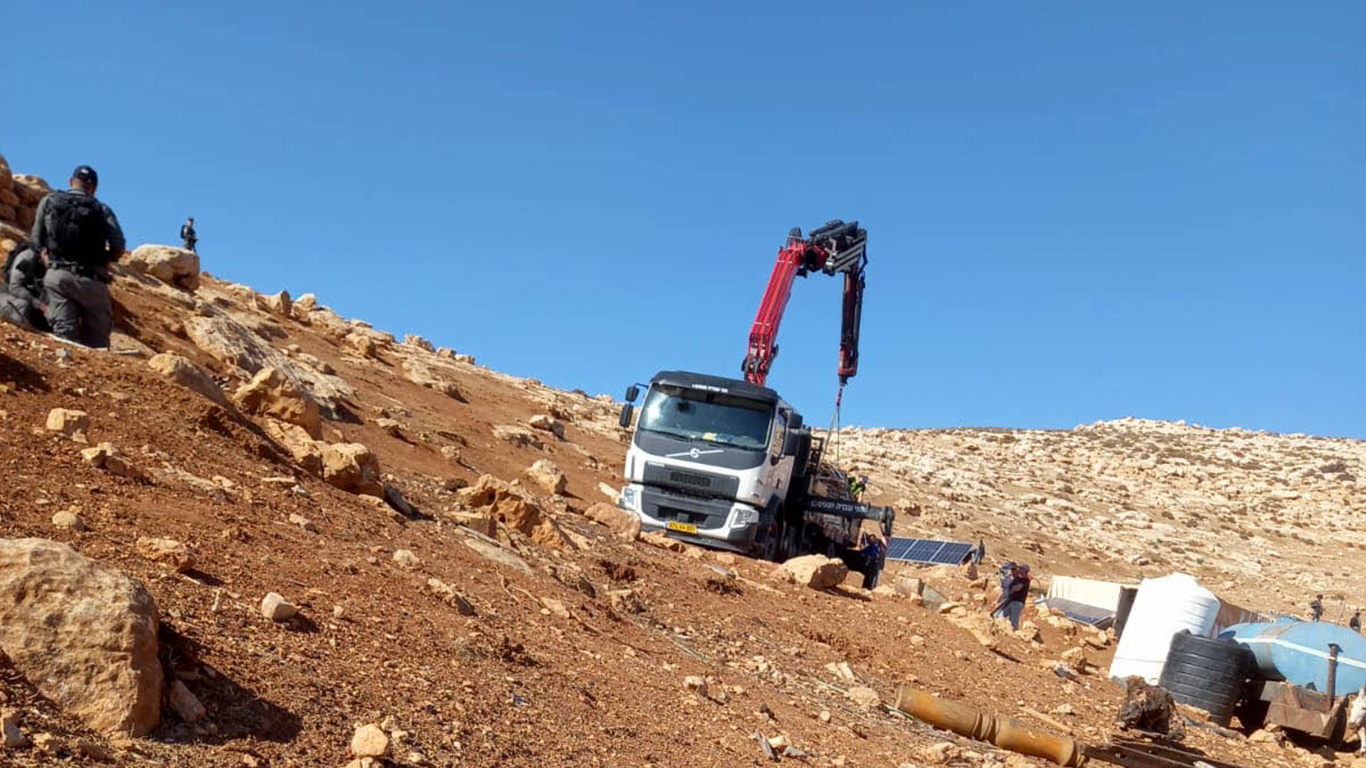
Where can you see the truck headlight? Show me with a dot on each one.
(745, 516)
(628, 499)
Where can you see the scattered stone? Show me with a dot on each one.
(9, 724)
(394, 498)
(391, 426)
(167, 552)
(695, 684)
(271, 393)
(83, 633)
(554, 606)
(545, 474)
(92, 750)
(518, 436)
(45, 744)
(413, 340)
(447, 593)
(67, 422)
(303, 522)
(814, 571)
(185, 704)
(369, 740)
(185, 373)
(863, 696)
(105, 456)
(622, 523)
(279, 303)
(547, 424)
(405, 558)
(276, 608)
(352, 467)
(68, 520)
(940, 753)
(498, 555)
(610, 492)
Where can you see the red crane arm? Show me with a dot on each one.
(834, 247)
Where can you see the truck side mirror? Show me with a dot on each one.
(794, 422)
(632, 392)
(627, 411)
(792, 442)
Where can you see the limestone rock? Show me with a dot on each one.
(67, 520)
(622, 523)
(232, 343)
(276, 608)
(413, 340)
(369, 740)
(507, 504)
(406, 558)
(447, 593)
(610, 492)
(12, 737)
(167, 263)
(815, 571)
(83, 633)
(109, 458)
(306, 452)
(352, 467)
(548, 476)
(303, 522)
(168, 552)
(424, 375)
(518, 436)
(271, 393)
(184, 703)
(187, 374)
(863, 696)
(548, 424)
(67, 422)
(695, 684)
(280, 303)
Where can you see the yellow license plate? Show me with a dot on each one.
(674, 525)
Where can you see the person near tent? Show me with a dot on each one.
(1014, 592)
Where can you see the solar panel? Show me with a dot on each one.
(928, 550)
(1081, 613)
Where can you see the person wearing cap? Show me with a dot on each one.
(81, 236)
(187, 234)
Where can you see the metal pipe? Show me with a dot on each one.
(1004, 732)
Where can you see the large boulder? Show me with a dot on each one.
(271, 393)
(505, 503)
(83, 633)
(815, 571)
(232, 343)
(187, 374)
(167, 263)
(624, 524)
(352, 467)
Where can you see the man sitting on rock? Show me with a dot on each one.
(81, 236)
(23, 302)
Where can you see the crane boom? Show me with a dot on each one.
(835, 247)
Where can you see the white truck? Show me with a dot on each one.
(728, 464)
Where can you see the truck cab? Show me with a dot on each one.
(711, 460)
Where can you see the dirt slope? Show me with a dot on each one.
(577, 646)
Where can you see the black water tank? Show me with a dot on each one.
(1207, 674)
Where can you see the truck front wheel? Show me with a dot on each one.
(773, 545)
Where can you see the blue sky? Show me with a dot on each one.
(1076, 210)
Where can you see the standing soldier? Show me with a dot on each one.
(188, 235)
(81, 236)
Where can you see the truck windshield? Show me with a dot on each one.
(713, 417)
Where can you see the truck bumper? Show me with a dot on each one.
(716, 523)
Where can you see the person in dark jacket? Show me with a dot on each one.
(23, 302)
(187, 234)
(1355, 621)
(1316, 607)
(1014, 593)
(81, 236)
(871, 554)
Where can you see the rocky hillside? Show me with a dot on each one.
(258, 533)
(1266, 520)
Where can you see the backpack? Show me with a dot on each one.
(14, 254)
(77, 230)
